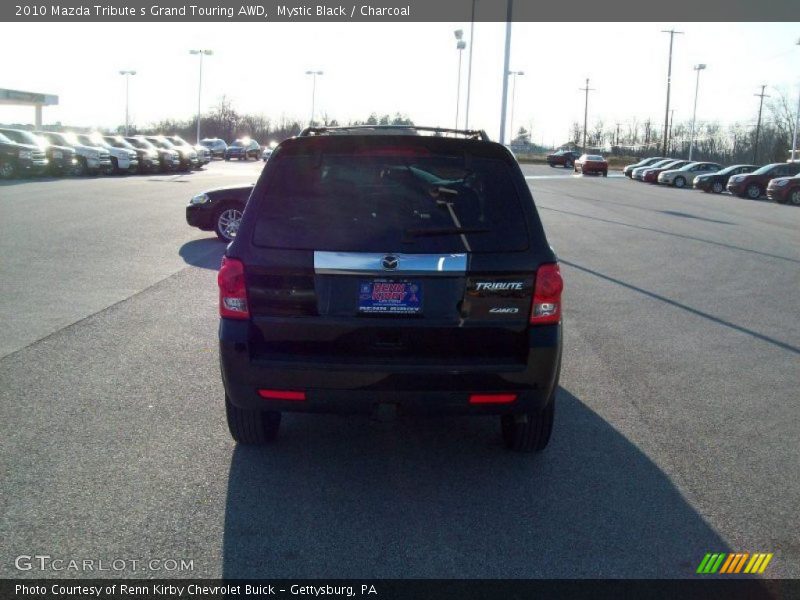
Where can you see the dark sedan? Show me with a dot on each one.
(562, 158)
(716, 182)
(753, 185)
(219, 210)
(243, 149)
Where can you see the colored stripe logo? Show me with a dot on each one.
(732, 563)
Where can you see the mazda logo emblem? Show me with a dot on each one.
(389, 263)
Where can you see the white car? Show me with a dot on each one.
(122, 159)
(686, 174)
(91, 159)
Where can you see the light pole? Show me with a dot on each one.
(513, 96)
(762, 95)
(201, 52)
(697, 68)
(469, 63)
(796, 119)
(506, 60)
(460, 45)
(586, 89)
(127, 74)
(671, 33)
(313, 92)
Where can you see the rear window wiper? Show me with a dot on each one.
(436, 231)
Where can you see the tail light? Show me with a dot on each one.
(232, 291)
(492, 398)
(292, 395)
(546, 307)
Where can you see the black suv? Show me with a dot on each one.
(382, 270)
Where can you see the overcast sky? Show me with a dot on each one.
(407, 68)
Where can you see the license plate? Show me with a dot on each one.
(383, 296)
(58, 155)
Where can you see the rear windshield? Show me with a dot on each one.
(414, 204)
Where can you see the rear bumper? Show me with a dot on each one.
(357, 387)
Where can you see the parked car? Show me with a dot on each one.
(243, 149)
(60, 159)
(685, 175)
(202, 155)
(638, 172)
(628, 170)
(785, 189)
(753, 185)
(651, 173)
(319, 312)
(92, 160)
(266, 154)
(187, 156)
(563, 158)
(219, 210)
(591, 163)
(20, 159)
(168, 159)
(147, 157)
(123, 160)
(215, 145)
(716, 182)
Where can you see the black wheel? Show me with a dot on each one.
(227, 220)
(114, 165)
(8, 170)
(81, 168)
(605, 173)
(794, 197)
(679, 182)
(529, 432)
(254, 427)
(552, 166)
(753, 191)
(568, 164)
(717, 187)
(227, 158)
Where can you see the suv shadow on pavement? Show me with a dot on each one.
(442, 498)
(205, 253)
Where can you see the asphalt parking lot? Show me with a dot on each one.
(676, 426)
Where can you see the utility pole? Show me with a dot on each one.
(796, 119)
(671, 33)
(697, 68)
(671, 123)
(587, 89)
(762, 95)
(469, 62)
(504, 103)
(617, 137)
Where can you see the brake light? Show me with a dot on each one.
(282, 395)
(546, 307)
(492, 398)
(232, 291)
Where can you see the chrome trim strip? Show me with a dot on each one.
(370, 263)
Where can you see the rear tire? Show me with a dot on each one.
(532, 432)
(227, 220)
(794, 197)
(717, 187)
(8, 169)
(605, 173)
(568, 164)
(679, 182)
(252, 427)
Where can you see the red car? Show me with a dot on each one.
(591, 163)
(752, 185)
(651, 175)
(563, 158)
(785, 189)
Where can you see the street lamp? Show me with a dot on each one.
(313, 92)
(513, 96)
(127, 74)
(697, 68)
(201, 52)
(460, 45)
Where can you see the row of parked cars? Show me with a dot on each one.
(55, 153)
(241, 149)
(779, 181)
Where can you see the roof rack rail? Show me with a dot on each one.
(473, 134)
